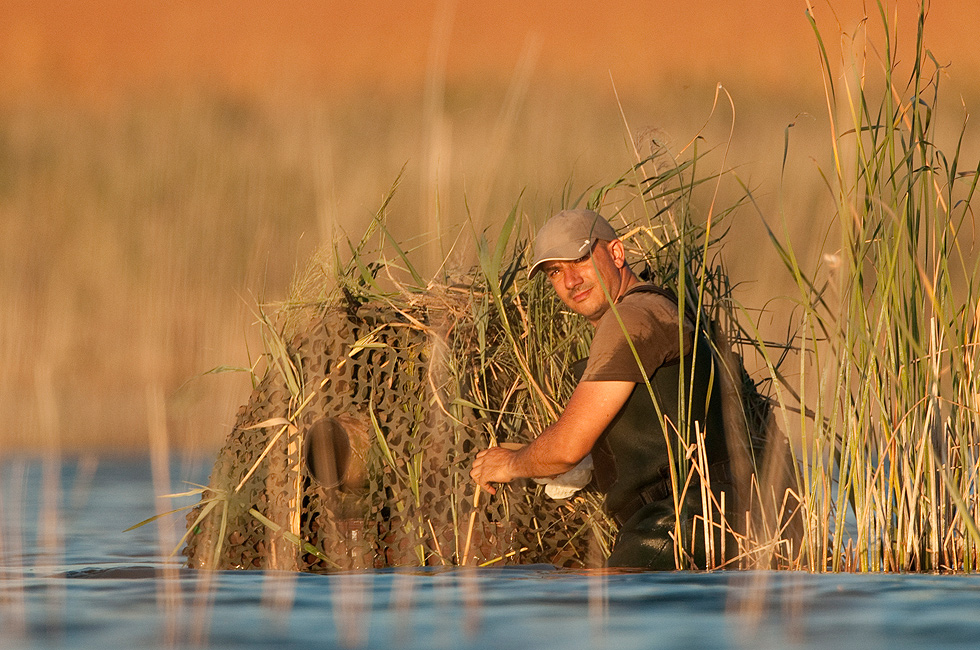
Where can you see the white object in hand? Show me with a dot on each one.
(567, 484)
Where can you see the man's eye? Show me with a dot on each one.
(583, 259)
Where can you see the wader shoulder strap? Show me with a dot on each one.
(649, 287)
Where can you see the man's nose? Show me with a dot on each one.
(572, 278)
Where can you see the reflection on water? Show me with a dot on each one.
(77, 581)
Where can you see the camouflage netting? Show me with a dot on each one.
(353, 451)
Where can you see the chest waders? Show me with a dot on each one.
(633, 468)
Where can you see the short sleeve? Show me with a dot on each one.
(650, 322)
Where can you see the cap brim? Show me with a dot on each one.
(560, 254)
(537, 265)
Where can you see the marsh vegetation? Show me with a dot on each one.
(138, 241)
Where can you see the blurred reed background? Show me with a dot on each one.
(165, 167)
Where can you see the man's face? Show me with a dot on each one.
(579, 283)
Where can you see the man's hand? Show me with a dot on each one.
(493, 465)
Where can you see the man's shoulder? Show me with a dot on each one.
(640, 313)
(643, 322)
(646, 301)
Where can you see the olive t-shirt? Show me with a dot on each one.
(651, 320)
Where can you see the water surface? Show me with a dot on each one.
(70, 578)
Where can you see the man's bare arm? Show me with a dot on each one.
(560, 447)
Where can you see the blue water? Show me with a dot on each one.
(75, 580)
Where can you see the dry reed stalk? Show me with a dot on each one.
(50, 533)
(13, 614)
(352, 607)
(205, 589)
(279, 593)
(469, 528)
(437, 129)
(168, 589)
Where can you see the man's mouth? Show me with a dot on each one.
(581, 295)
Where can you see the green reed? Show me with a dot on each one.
(889, 432)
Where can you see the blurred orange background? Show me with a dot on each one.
(164, 166)
(97, 48)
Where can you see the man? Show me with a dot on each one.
(640, 346)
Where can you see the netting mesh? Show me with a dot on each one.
(354, 451)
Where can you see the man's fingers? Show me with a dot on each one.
(489, 466)
(478, 479)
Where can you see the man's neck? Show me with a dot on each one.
(627, 281)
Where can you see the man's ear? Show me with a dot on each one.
(618, 253)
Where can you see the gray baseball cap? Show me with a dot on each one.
(568, 236)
